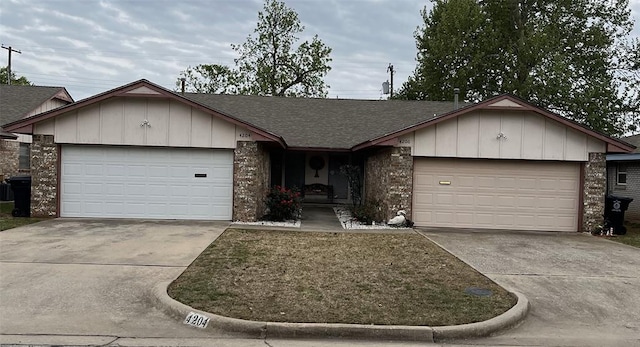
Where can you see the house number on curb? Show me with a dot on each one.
(196, 320)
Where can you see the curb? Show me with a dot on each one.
(263, 330)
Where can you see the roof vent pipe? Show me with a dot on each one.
(456, 92)
(182, 81)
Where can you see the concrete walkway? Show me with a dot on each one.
(319, 218)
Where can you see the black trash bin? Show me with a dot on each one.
(21, 186)
(614, 208)
(5, 192)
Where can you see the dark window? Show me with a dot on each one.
(25, 156)
(621, 175)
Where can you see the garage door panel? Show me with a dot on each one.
(484, 219)
(464, 199)
(504, 194)
(503, 201)
(444, 217)
(484, 201)
(143, 182)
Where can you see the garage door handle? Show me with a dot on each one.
(201, 175)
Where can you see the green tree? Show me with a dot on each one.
(209, 78)
(574, 57)
(22, 81)
(270, 62)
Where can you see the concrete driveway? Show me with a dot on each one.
(91, 278)
(584, 290)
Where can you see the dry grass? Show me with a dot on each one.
(336, 278)
(632, 237)
(9, 222)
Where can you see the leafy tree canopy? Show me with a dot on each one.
(22, 81)
(270, 62)
(574, 57)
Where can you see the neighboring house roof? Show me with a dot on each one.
(335, 124)
(634, 140)
(18, 101)
(324, 123)
(635, 155)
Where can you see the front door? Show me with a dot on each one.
(336, 178)
(294, 170)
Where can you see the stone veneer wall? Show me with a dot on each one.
(594, 190)
(9, 158)
(250, 180)
(44, 176)
(389, 178)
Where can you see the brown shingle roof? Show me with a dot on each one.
(17, 101)
(324, 123)
(634, 140)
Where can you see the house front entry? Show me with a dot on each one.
(316, 174)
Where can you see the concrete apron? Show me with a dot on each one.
(583, 289)
(93, 277)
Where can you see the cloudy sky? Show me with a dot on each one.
(91, 46)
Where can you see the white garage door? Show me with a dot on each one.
(144, 182)
(496, 194)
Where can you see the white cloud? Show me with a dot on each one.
(94, 45)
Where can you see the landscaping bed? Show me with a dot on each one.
(8, 222)
(290, 276)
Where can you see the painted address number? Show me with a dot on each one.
(196, 320)
(245, 134)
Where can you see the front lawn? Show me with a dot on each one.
(632, 237)
(291, 276)
(8, 222)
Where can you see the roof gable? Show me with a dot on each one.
(504, 102)
(139, 88)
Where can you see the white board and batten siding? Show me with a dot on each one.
(121, 121)
(47, 106)
(503, 134)
(44, 107)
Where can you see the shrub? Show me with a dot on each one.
(282, 204)
(368, 212)
(354, 177)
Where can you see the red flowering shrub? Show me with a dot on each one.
(282, 204)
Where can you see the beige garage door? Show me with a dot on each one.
(496, 194)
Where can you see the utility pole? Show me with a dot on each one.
(9, 65)
(391, 71)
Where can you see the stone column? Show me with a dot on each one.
(9, 158)
(389, 179)
(250, 181)
(594, 190)
(44, 176)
